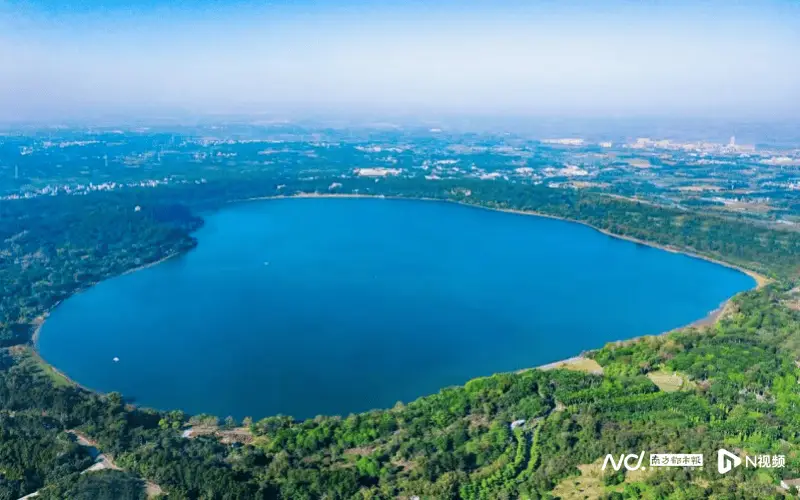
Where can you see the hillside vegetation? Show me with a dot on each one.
(738, 377)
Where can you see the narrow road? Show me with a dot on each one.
(101, 461)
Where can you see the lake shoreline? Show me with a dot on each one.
(760, 279)
(38, 323)
(709, 319)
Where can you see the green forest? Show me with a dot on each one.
(738, 378)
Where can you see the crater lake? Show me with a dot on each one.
(337, 305)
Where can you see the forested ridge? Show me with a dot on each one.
(740, 376)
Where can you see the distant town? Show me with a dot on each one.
(752, 180)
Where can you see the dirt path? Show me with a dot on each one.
(103, 461)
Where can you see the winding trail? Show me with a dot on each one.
(102, 462)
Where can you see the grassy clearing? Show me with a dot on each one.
(670, 381)
(581, 364)
(589, 484)
(578, 363)
(28, 357)
(226, 436)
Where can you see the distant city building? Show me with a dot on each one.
(780, 160)
(565, 142)
(376, 172)
(642, 142)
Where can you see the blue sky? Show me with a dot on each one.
(616, 58)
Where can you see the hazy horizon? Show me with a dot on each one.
(75, 60)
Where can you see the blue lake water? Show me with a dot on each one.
(331, 306)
